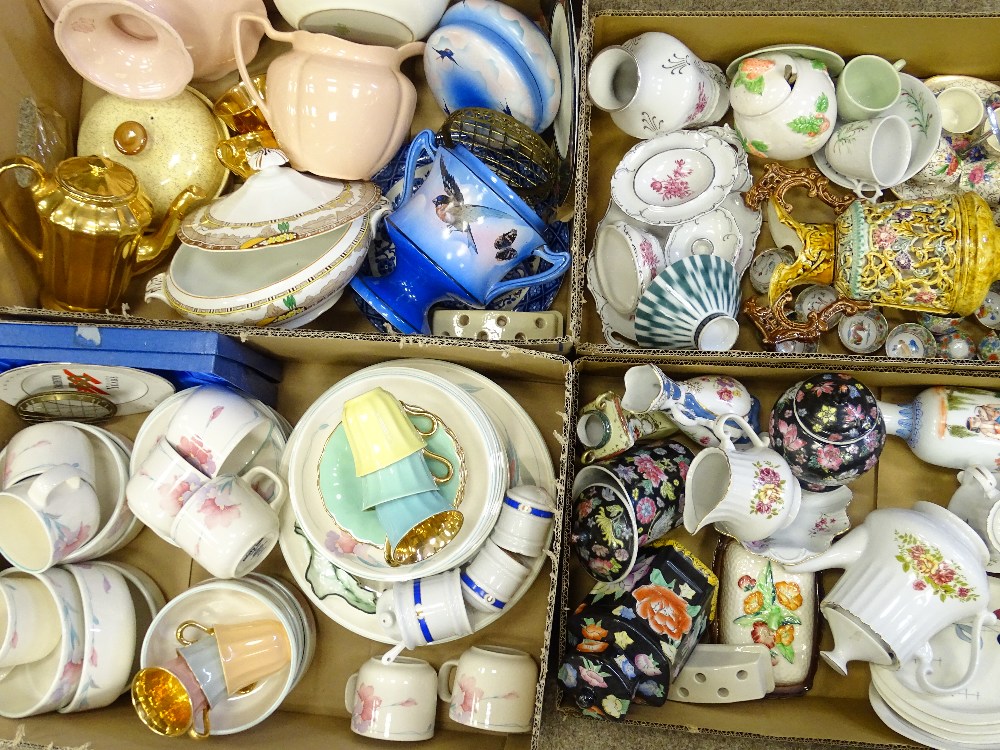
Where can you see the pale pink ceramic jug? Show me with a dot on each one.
(338, 109)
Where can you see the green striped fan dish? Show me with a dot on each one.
(691, 304)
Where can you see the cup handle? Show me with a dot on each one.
(925, 658)
(154, 288)
(179, 633)
(559, 261)
(423, 141)
(985, 479)
(899, 64)
(48, 480)
(352, 684)
(279, 484)
(444, 678)
(725, 441)
(206, 727)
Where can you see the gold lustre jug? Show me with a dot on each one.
(94, 215)
(934, 255)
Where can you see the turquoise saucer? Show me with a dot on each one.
(341, 488)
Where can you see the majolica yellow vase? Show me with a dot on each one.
(935, 255)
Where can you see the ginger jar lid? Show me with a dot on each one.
(835, 408)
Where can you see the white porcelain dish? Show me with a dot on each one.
(675, 177)
(147, 601)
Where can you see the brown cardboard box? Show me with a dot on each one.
(836, 710)
(37, 69)
(313, 716)
(720, 37)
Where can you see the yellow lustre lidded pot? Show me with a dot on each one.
(934, 255)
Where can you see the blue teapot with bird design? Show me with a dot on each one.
(456, 238)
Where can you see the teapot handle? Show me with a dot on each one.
(270, 31)
(778, 180)
(24, 162)
(925, 657)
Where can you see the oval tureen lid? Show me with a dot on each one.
(277, 205)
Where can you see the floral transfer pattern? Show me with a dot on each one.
(675, 185)
(366, 707)
(750, 74)
(467, 697)
(768, 488)
(931, 570)
(768, 610)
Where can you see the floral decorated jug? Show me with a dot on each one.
(829, 429)
(693, 404)
(908, 573)
(934, 255)
(951, 427)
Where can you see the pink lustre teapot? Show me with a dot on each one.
(908, 574)
(338, 109)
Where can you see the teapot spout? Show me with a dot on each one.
(815, 249)
(152, 248)
(842, 554)
(852, 641)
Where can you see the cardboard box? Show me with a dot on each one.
(720, 37)
(836, 710)
(313, 716)
(38, 70)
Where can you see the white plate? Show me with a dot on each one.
(484, 455)
(653, 181)
(350, 601)
(132, 391)
(901, 726)
(834, 62)
(613, 323)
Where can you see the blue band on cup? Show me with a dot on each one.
(482, 593)
(420, 615)
(525, 508)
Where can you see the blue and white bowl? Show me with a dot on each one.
(691, 304)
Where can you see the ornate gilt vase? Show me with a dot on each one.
(934, 255)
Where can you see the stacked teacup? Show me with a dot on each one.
(199, 487)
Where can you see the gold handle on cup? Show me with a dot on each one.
(179, 633)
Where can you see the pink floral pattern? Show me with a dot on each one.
(216, 513)
(676, 184)
(193, 449)
(648, 256)
(932, 570)
(700, 105)
(884, 237)
(768, 490)
(366, 705)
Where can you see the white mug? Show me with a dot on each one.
(29, 621)
(226, 526)
(163, 482)
(492, 578)
(392, 700)
(872, 153)
(493, 688)
(44, 445)
(626, 260)
(218, 430)
(525, 521)
(47, 518)
(424, 610)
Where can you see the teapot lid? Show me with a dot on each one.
(97, 180)
(835, 408)
(275, 206)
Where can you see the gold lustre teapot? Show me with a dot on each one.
(934, 255)
(93, 215)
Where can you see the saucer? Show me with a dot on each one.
(302, 465)
(834, 62)
(671, 178)
(350, 601)
(341, 487)
(613, 323)
(919, 109)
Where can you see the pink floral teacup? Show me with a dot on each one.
(493, 688)
(625, 261)
(163, 483)
(226, 526)
(392, 700)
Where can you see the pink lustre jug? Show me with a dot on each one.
(338, 109)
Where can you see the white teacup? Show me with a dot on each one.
(977, 502)
(424, 610)
(44, 445)
(226, 526)
(47, 518)
(29, 621)
(392, 700)
(872, 152)
(626, 259)
(493, 688)
(218, 430)
(962, 110)
(748, 494)
(525, 521)
(492, 578)
(163, 483)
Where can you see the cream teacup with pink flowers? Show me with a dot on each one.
(226, 526)
(162, 484)
(392, 700)
(625, 261)
(490, 687)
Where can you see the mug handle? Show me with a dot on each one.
(279, 484)
(725, 441)
(559, 261)
(444, 677)
(352, 684)
(925, 658)
(43, 484)
(424, 141)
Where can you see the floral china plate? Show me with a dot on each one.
(484, 489)
(834, 62)
(351, 600)
(675, 177)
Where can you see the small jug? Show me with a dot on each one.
(93, 214)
